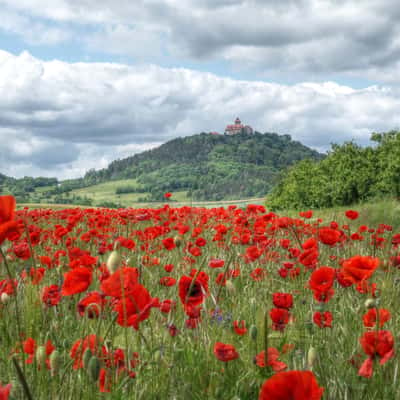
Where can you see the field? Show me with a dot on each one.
(182, 302)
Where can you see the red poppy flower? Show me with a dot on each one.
(7, 223)
(258, 274)
(192, 289)
(359, 268)
(91, 342)
(323, 320)
(135, 307)
(369, 317)
(323, 297)
(76, 281)
(279, 317)
(30, 347)
(309, 257)
(351, 214)
(5, 391)
(322, 279)
(283, 300)
(167, 305)
(376, 344)
(298, 385)
(167, 195)
(306, 214)
(167, 281)
(225, 352)
(216, 263)
(272, 360)
(121, 282)
(91, 305)
(240, 327)
(169, 243)
(51, 295)
(329, 236)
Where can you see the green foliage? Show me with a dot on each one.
(349, 174)
(210, 167)
(125, 189)
(206, 167)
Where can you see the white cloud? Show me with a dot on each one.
(62, 118)
(275, 39)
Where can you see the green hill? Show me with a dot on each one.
(207, 167)
(200, 167)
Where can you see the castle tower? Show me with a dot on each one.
(238, 127)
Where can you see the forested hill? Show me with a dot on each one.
(209, 167)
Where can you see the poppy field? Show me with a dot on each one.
(197, 303)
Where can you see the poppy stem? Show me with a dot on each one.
(266, 338)
(21, 378)
(17, 314)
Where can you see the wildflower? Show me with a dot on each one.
(76, 281)
(193, 288)
(329, 236)
(5, 391)
(272, 360)
(323, 320)
(51, 295)
(279, 317)
(376, 344)
(298, 385)
(369, 317)
(8, 225)
(225, 352)
(351, 214)
(359, 268)
(283, 300)
(240, 327)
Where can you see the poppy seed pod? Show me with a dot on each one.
(230, 287)
(94, 368)
(55, 362)
(4, 298)
(253, 332)
(311, 357)
(87, 355)
(113, 261)
(40, 356)
(370, 303)
(178, 241)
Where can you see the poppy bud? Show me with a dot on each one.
(113, 261)
(253, 332)
(4, 298)
(55, 362)
(370, 303)
(94, 368)
(40, 356)
(157, 356)
(87, 355)
(178, 241)
(230, 287)
(311, 357)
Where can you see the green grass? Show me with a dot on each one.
(184, 367)
(385, 211)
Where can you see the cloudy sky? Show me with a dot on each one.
(84, 82)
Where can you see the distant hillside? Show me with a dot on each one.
(199, 167)
(208, 167)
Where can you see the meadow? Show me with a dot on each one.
(199, 303)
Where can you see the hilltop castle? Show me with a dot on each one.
(238, 127)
